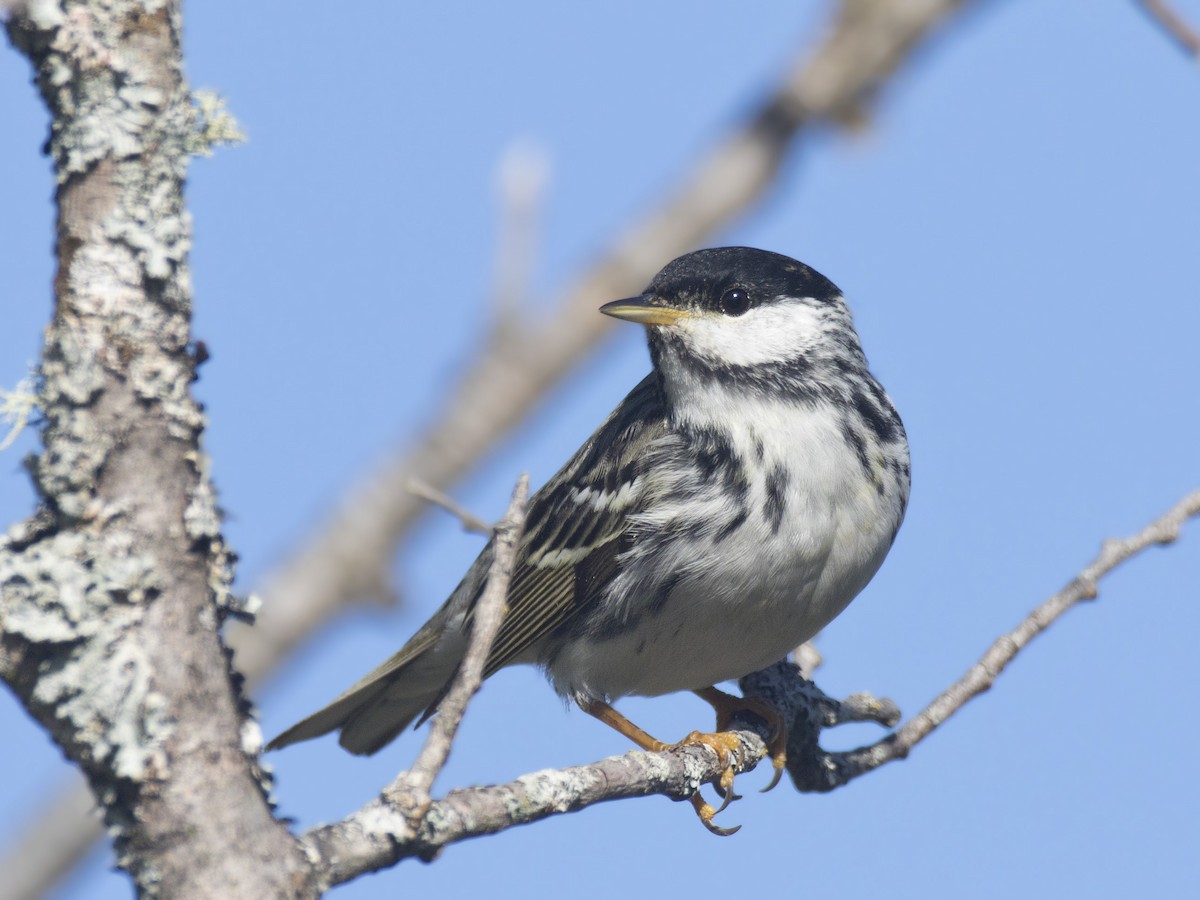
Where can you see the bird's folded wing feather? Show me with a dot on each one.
(576, 523)
(572, 539)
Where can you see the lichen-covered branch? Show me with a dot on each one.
(111, 595)
(380, 835)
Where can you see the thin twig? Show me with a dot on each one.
(470, 522)
(411, 789)
(1174, 25)
(983, 674)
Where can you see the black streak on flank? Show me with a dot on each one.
(876, 418)
(776, 502)
(858, 445)
(731, 526)
(659, 600)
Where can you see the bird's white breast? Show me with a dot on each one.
(741, 600)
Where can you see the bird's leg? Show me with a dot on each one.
(724, 745)
(727, 706)
(615, 720)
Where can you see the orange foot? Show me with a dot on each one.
(727, 706)
(726, 746)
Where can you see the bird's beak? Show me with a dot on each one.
(643, 311)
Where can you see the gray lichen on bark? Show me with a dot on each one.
(113, 592)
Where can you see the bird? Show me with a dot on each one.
(734, 503)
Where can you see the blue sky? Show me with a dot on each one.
(1016, 232)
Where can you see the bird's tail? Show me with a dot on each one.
(376, 709)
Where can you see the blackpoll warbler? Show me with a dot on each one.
(734, 503)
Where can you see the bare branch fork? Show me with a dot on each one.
(382, 833)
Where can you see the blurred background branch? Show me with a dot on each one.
(1174, 25)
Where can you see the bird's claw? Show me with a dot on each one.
(777, 746)
(706, 813)
(729, 753)
(778, 761)
(728, 707)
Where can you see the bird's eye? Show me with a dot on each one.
(735, 301)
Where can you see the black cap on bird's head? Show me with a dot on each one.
(725, 281)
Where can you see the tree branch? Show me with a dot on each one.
(377, 836)
(111, 596)
(380, 835)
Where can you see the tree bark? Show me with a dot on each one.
(113, 593)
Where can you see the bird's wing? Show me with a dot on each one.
(572, 538)
(575, 525)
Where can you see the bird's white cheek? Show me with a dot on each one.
(765, 334)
